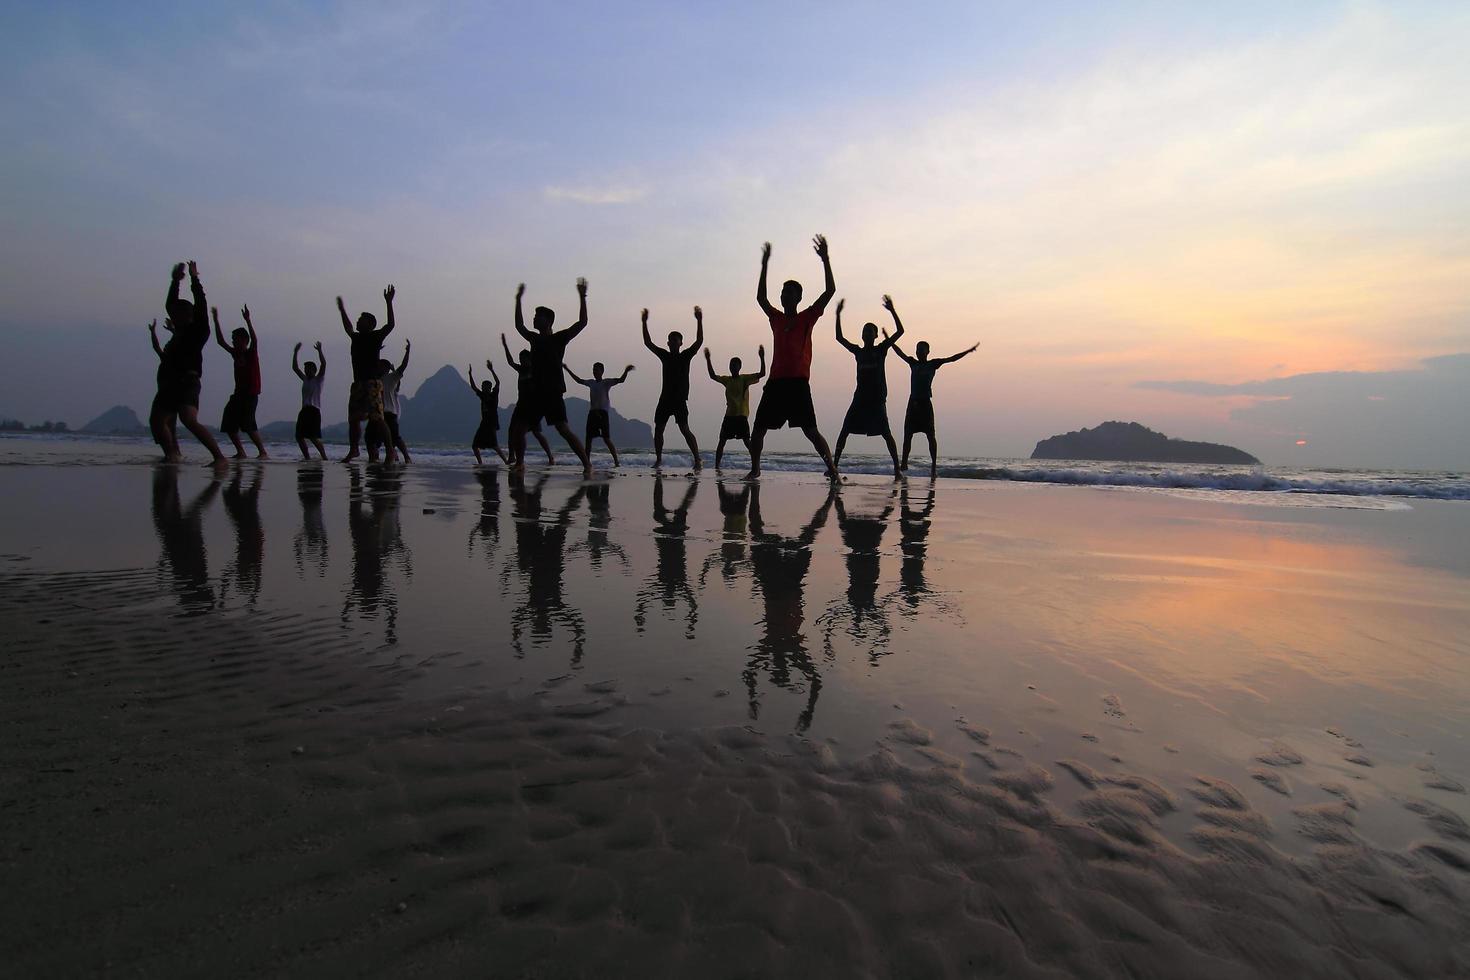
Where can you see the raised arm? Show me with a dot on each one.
(760, 289)
(321, 371)
(296, 362)
(624, 376)
(899, 351)
(196, 287)
(219, 335)
(346, 320)
(573, 375)
(520, 319)
(897, 323)
(471, 374)
(388, 295)
(710, 365)
(581, 323)
(698, 330)
(403, 364)
(841, 339)
(176, 277)
(955, 357)
(762, 372)
(509, 359)
(647, 340)
(249, 327)
(153, 336)
(819, 245)
(490, 365)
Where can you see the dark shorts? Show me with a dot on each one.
(239, 414)
(735, 427)
(553, 409)
(919, 417)
(309, 423)
(177, 392)
(675, 408)
(365, 401)
(525, 415)
(866, 416)
(373, 437)
(786, 401)
(486, 436)
(391, 420)
(598, 425)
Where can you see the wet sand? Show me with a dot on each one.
(332, 720)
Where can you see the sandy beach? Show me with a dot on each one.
(322, 719)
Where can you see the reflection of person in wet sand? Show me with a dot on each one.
(311, 540)
(376, 538)
(242, 504)
(181, 539)
(734, 505)
(913, 530)
(670, 582)
(868, 413)
(919, 416)
(541, 560)
(780, 564)
(599, 519)
(487, 528)
(862, 537)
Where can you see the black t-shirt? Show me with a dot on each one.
(489, 404)
(923, 378)
(872, 379)
(676, 373)
(184, 351)
(547, 353)
(367, 350)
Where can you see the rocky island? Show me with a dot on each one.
(1130, 442)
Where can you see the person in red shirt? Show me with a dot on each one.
(240, 409)
(787, 399)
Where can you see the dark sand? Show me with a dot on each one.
(333, 721)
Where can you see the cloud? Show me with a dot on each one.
(596, 195)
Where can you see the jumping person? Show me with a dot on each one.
(240, 409)
(182, 367)
(599, 420)
(487, 436)
(524, 412)
(787, 399)
(168, 440)
(309, 419)
(919, 417)
(868, 413)
(365, 399)
(548, 349)
(392, 378)
(673, 398)
(736, 424)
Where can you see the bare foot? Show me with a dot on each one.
(262, 455)
(351, 456)
(239, 455)
(754, 474)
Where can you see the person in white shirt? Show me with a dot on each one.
(392, 378)
(599, 422)
(309, 419)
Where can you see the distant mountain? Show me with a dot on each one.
(444, 411)
(119, 420)
(1130, 442)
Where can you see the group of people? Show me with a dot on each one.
(541, 373)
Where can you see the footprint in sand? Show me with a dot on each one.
(1280, 754)
(1113, 706)
(1434, 779)
(1272, 780)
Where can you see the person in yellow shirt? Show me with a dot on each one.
(737, 401)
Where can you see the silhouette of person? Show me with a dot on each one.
(311, 540)
(242, 505)
(734, 507)
(377, 537)
(167, 439)
(240, 408)
(919, 417)
(736, 423)
(868, 413)
(673, 398)
(862, 537)
(180, 533)
(309, 419)
(181, 369)
(525, 409)
(599, 405)
(365, 399)
(787, 399)
(779, 565)
(548, 350)
(392, 378)
(541, 560)
(670, 581)
(487, 436)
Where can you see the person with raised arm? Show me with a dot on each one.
(673, 398)
(240, 409)
(524, 412)
(182, 368)
(167, 436)
(365, 399)
(392, 378)
(548, 351)
(599, 400)
(787, 399)
(919, 416)
(487, 436)
(868, 413)
(309, 419)
(736, 423)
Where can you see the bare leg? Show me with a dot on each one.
(190, 417)
(390, 455)
(403, 448)
(259, 445)
(908, 444)
(576, 444)
(476, 451)
(518, 444)
(820, 444)
(658, 443)
(841, 445)
(757, 442)
(239, 447)
(933, 453)
(892, 451)
(541, 438)
(320, 448)
(693, 444)
(610, 448)
(354, 437)
(162, 425)
(304, 453)
(719, 454)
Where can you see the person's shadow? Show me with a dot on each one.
(242, 505)
(541, 561)
(377, 540)
(862, 537)
(670, 584)
(182, 557)
(310, 544)
(779, 564)
(734, 513)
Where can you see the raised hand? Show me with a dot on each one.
(520, 290)
(819, 245)
(765, 251)
(699, 315)
(632, 367)
(840, 304)
(645, 316)
(407, 346)
(178, 272)
(245, 312)
(152, 325)
(214, 312)
(193, 269)
(389, 293)
(581, 287)
(761, 350)
(706, 354)
(317, 345)
(488, 364)
(888, 302)
(297, 349)
(341, 306)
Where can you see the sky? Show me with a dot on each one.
(1242, 222)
